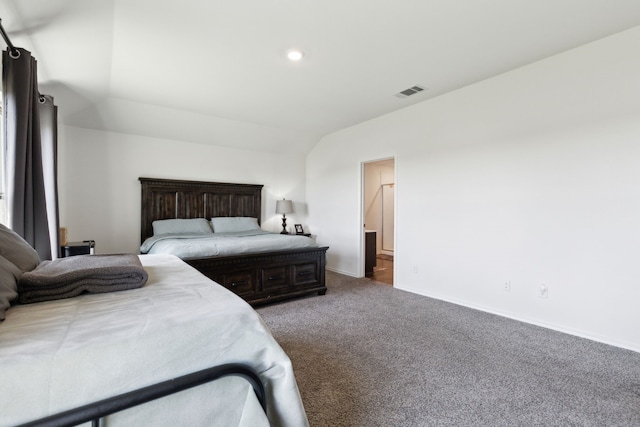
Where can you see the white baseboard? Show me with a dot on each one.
(547, 325)
(346, 273)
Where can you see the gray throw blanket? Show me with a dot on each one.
(69, 277)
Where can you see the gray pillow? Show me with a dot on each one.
(234, 224)
(15, 249)
(9, 275)
(181, 226)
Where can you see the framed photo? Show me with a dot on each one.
(299, 229)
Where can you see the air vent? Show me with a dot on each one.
(408, 92)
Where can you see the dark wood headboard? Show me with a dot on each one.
(170, 198)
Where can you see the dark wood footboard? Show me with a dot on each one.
(267, 277)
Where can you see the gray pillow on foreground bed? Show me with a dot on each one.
(17, 250)
(16, 257)
(9, 275)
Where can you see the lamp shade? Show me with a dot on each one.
(284, 207)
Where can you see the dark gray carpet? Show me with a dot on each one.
(366, 354)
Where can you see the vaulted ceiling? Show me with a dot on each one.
(213, 71)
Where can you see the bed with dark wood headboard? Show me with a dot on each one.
(257, 277)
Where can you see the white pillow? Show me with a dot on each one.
(234, 224)
(181, 226)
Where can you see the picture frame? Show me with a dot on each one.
(299, 229)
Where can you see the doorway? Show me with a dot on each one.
(378, 215)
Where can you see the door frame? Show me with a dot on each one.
(361, 272)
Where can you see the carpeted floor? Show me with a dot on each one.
(367, 354)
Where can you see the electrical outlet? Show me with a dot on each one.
(543, 291)
(415, 269)
(507, 286)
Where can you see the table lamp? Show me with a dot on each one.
(284, 207)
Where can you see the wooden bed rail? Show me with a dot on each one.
(95, 411)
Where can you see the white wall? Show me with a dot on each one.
(100, 192)
(530, 177)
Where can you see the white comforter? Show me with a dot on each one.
(218, 244)
(61, 354)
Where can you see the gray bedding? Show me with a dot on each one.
(187, 246)
(70, 277)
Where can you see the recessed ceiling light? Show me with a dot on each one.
(295, 55)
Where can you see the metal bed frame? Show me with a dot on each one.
(97, 410)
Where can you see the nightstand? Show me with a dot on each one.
(86, 247)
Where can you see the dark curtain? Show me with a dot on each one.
(27, 210)
(49, 140)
